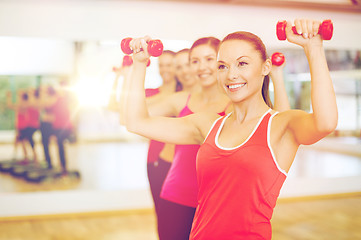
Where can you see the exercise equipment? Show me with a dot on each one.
(35, 172)
(325, 30)
(6, 166)
(69, 173)
(277, 59)
(127, 61)
(124, 45)
(41, 175)
(155, 47)
(20, 169)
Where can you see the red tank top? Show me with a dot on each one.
(33, 117)
(238, 187)
(180, 185)
(155, 147)
(21, 119)
(62, 113)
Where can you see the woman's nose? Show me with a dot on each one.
(232, 73)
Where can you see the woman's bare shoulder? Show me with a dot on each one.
(288, 114)
(179, 99)
(181, 94)
(205, 120)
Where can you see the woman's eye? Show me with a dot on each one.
(222, 67)
(242, 64)
(194, 62)
(210, 59)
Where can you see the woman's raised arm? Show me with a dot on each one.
(138, 120)
(281, 102)
(309, 128)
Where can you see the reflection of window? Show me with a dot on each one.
(345, 70)
(13, 83)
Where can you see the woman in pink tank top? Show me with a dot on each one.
(160, 155)
(166, 211)
(244, 157)
(179, 191)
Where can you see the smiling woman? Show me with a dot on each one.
(235, 75)
(248, 191)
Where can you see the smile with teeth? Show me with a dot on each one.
(234, 86)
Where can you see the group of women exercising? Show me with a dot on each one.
(233, 148)
(46, 109)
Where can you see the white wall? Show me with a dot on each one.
(35, 56)
(101, 20)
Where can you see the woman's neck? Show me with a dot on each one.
(168, 87)
(192, 88)
(249, 109)
(211, 93)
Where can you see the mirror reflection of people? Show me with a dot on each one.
(64, 110)
(33, 122)
(47, 97)
(23, 134)
(58, 107)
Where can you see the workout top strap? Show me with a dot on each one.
(224, 111)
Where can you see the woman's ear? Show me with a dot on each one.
(267, 66)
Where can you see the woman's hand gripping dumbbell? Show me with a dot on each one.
(325, 30)
(155, 47)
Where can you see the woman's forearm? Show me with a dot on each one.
(323, 97)
(135, 109)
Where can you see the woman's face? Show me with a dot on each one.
(241, 70)
(183, 71)
(20, 93)
(203, 60)
(166, 67)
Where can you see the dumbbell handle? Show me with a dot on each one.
(325, 30)
(155, 47)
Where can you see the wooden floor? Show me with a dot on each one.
(333, 218)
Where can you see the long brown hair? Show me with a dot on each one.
(184, 50)
(210, 41)
(260, 47)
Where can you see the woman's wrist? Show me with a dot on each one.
(314, 50)
(138, 63)
(276, 76)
